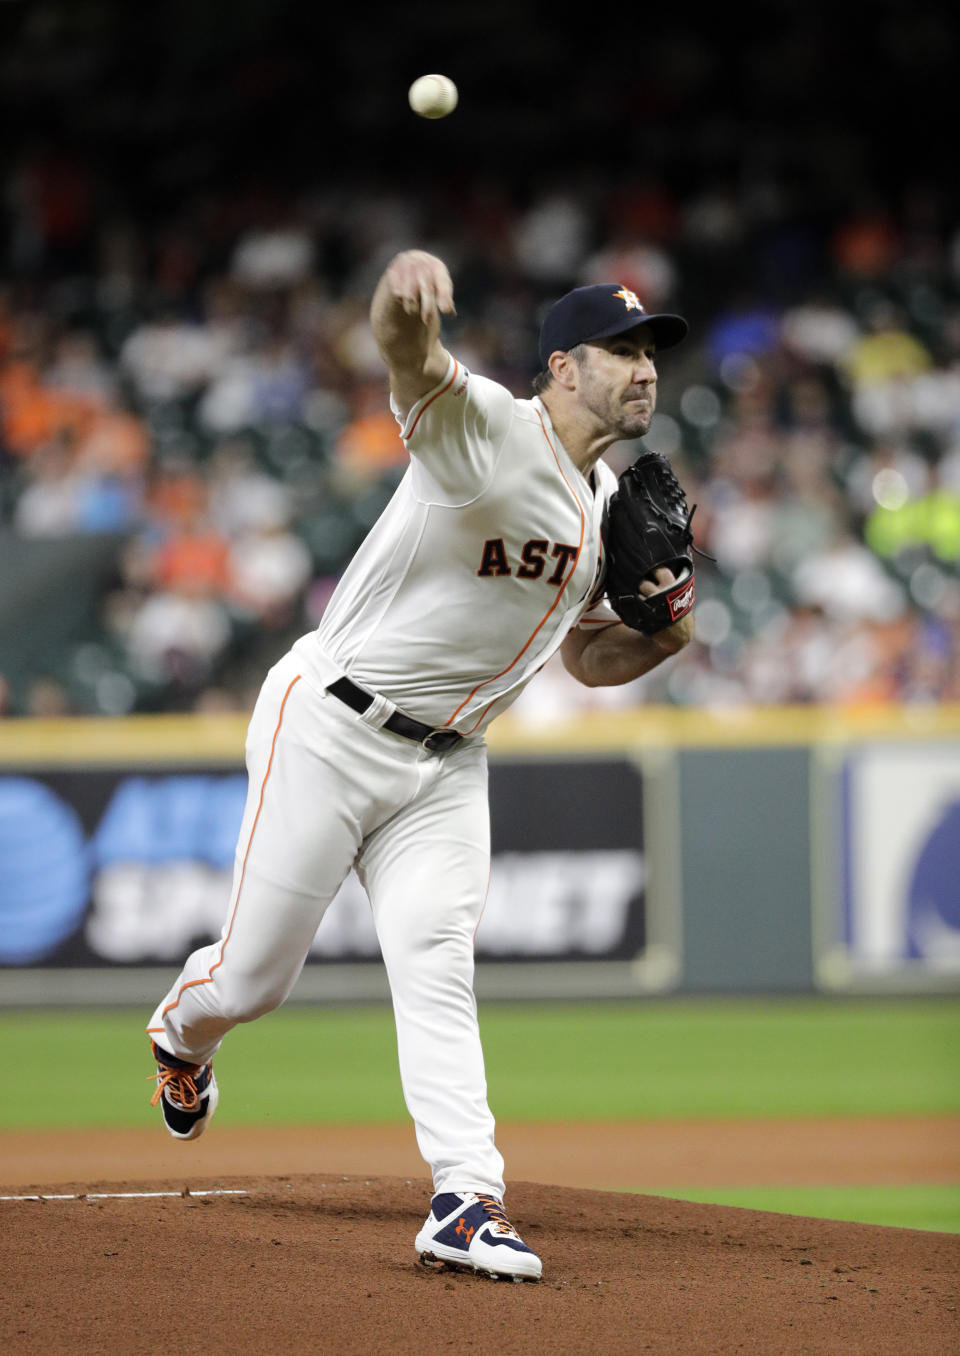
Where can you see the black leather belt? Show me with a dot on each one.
(436, 741)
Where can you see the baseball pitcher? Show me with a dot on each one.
(366, 745)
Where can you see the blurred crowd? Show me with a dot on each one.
(206, 392)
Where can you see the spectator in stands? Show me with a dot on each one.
(370, 445)
(242, 496)
(49, 503)
(269, 566)
(169, 358)
(174, 639)
(819, 331)
(847, 582)
(193, 556)
(552, 237)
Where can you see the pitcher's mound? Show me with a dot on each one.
(326, 1264)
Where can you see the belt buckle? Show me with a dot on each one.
(438, 741)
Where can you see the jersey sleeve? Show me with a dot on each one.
(454, 434)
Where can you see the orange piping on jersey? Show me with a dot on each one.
(546, 617)
(436, 396)
(243, 870)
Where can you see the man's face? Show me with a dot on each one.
(618, 382)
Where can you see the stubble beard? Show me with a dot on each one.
(636, 424)
(613, 411)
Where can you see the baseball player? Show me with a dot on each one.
(366, 745)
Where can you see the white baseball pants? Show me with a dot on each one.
(327, 792)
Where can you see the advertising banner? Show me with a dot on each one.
(890, 897)
(118, 866)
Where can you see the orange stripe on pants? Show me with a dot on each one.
(243, 870)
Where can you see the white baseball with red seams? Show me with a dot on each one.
(487, 555)
(433, 96)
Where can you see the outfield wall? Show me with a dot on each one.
(664, 851)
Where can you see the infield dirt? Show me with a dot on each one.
(323, 1262)
(311, 1264)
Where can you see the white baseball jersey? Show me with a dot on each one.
(486, 556)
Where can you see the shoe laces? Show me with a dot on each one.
(494, 1209)
(179, 1084)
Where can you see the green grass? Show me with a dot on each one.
(737, 1059)
(651, 1060)
(906, 1207)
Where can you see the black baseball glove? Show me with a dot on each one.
(647, 527)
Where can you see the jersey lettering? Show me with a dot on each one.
(564, 555)
(494, 559)
(532, 557)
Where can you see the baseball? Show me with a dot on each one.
(433, 96)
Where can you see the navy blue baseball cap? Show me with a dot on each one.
(598, 312)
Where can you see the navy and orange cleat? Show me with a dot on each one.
(471, 1233)
(187, 1094)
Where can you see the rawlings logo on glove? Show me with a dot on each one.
(647, 528)
(680, 601)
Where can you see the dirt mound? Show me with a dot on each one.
(326, 1264)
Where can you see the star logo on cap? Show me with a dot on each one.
(630, 299)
